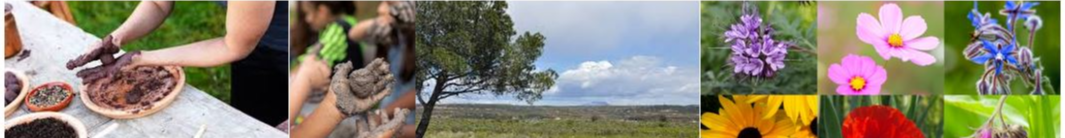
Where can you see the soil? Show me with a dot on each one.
(13, 87)
(361, 86)
(42, 128)
(132, 90)
(49, 95)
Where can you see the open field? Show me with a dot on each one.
(483, 120)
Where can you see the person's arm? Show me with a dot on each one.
(145, 18)
(311, 74)
(361, 31)
(246, 23)
(322, 121)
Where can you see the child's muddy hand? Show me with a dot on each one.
(358, 91)
(388, 125)
(402, 11)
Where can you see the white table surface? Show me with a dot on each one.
(53, 42)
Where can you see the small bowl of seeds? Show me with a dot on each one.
(52, 96)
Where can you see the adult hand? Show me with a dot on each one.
(359, 90)
(95, 73)
(103, 51)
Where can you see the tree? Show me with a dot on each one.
(466, 48)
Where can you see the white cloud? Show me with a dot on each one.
(635, 80)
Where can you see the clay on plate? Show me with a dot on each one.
(132, 90)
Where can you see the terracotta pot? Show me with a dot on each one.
(57, 106)
(12, 41)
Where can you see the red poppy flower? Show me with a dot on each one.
(879, 122)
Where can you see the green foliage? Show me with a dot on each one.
(925, 111)
(491, 121)
(470, 51)
(793, 21)
(1039, 115)
(190, 21)
(963, 74)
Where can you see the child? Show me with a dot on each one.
(338, 33)
(333, 20)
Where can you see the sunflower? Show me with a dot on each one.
(798, 108)
(743, 120)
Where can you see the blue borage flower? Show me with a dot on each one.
(997, 48)
(996, 56)
(1017, 11)
(978, 19)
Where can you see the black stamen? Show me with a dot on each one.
(750, 132)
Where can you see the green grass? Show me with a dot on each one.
(510, 121)
(188, 22)
(487, 128)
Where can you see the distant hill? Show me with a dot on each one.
(597, 103)
(600, 110)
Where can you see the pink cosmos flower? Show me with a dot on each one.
(857, 75)
(892, 36)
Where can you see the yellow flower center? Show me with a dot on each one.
(895, 40)
(857, 83)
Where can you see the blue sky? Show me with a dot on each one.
(622, 53)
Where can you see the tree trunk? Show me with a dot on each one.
(427, 113)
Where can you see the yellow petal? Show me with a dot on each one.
(732, 133)
(766, 125)
(783, 128)
(731, 111)
(748, 114)
(789, 106)
(755, 98)
(813, 101)
(715, 134)
(804, 110)
(715, 121)
(774, 104)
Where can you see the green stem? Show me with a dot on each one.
(998, 112)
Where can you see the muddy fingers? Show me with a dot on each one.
(387, 125)
(359, 90)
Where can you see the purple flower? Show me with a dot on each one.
(754, 51)
(985, 133)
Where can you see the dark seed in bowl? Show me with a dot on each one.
(42, 128)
